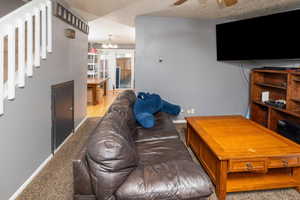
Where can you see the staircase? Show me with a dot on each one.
(25, 39)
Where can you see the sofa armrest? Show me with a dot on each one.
(177, 179)
(81, 175)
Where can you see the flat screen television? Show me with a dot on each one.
(269, 37)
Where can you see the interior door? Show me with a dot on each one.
(62, 112)
(124, 72)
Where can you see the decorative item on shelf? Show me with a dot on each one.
(109, 44)
(70, 33)
(265, 96)
(280, 103)
(93, 50)
(67, 16)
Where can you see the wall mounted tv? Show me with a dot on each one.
(269, 37)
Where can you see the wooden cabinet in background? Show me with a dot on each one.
(281, 85)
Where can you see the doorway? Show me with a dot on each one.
(118, 65)
(124, 73)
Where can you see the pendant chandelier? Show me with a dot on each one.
(109, 44)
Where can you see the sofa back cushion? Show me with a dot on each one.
(111, 155)
(124, 106)
(129, 95)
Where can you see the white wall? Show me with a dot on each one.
(26, 125)
(189, 74)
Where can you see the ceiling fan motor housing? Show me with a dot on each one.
(229, 2)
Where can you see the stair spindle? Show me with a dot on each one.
(21, 53)
(29, 69)
(49, 23)
(1, 74)
(37, 47)
(44, 32)
(11, 62)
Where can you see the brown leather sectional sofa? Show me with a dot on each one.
(123, 161)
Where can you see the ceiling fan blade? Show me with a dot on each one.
(179, 2)
(229, 3)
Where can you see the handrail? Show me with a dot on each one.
(37, 33)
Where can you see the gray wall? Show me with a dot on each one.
(7, 6)
(26, 125)
(189, 74)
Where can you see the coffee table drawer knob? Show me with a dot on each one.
(249, 166)
(285, 163)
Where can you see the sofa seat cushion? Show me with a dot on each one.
(169, 180)
(163, 129)
(157, 151)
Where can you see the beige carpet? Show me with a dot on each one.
(55, 182)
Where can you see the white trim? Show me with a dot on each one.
(39, 169)
(179, 121)
(80, 124)
(35, 173)
(64, 142)
(19, 13)
(71, 134)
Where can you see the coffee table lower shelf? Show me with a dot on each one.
(275, 178)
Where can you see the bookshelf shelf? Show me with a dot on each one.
(271, 85)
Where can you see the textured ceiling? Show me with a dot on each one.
(124, 12)
(244, 8)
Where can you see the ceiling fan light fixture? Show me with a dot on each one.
(226, 3)
(179, 2)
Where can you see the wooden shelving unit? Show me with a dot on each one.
(93, 65)
(281, 85)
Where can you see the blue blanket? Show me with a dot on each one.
(148, 104)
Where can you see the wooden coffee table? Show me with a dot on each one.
(241, 155)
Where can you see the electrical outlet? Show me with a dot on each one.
(182, 110)
(192, 111)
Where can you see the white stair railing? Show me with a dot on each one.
(34, 41)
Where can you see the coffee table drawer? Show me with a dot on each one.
(283, 162)
(255, 165)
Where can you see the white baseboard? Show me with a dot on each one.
(20, 190)
(179, 121)
(64, 142)
(24, 185)
(80, 124)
